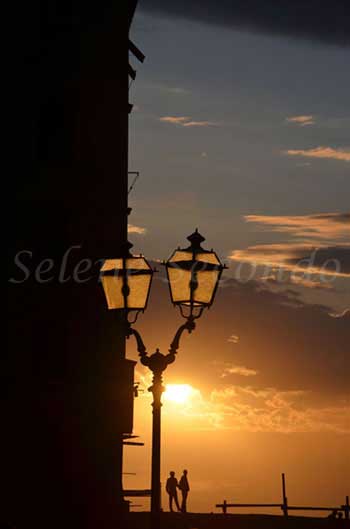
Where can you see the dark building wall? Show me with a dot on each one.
(65, 410)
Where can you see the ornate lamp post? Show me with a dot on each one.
(193, 277)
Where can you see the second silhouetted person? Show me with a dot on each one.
(184, 487)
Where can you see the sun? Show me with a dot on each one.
(178, 393)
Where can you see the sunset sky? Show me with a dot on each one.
(246, 135)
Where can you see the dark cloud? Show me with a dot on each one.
(325, 249)
(291, 344)
(317, 20)
(344, 314)
(331, 259)
(335, 217)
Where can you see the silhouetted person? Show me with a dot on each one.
(333, 515)
(171, 488)
(340, 515)
(184, 487)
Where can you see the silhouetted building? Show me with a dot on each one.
(69, 387)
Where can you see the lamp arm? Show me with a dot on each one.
(140, 345)
(188, 326)
(157, 361)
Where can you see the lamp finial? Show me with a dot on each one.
(196, 240)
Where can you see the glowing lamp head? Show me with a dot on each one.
(193, 276)
(127, 281)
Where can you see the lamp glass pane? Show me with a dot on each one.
(207, 281)
(112, 286)
(180, 255)
(139, 286)
(179, 284)
(137, 263)
(209, 257)
(112, 264)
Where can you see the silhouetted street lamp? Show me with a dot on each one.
(193, 276)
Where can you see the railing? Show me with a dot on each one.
(285, 508)
(137, 493)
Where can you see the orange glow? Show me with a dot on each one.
(178, 393)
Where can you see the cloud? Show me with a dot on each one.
(309, 282)
(313, 20)
(238, 370)
(301, 120)
(324, 226)
(273, 410)
(233, 339)
(322, 152)
(136, 229)
(199, 124)
(178, 90)
(256, 409)
(320, 247)
(172, 89)
(186, 121)
(176, 120)
(323, 261)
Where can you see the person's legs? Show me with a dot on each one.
(170, 503)
(184, 501)
(177, 502)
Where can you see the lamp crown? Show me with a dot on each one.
(196, 240)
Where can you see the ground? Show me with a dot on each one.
(235, 521)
